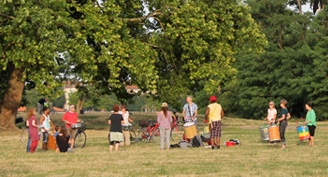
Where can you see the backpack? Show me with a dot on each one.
(197, 141)
(184, 144)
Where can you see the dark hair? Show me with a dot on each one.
(63, 131)
(116, 108)
(57, 128)
(165, 110)
(45, 108)
(310, 105)
(123, 106)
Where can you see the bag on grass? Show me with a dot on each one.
(184, 144)
(174, 146)
(197, 141)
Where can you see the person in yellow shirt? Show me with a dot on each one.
(214, 115)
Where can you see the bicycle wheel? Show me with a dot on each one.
(80, 139)
(24, 137)
(142, 134)
(155, 137)
(176, 134)
(133, 137)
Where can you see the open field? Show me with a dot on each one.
(252, 158)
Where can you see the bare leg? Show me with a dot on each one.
(312, 140)
(110, 148)
(116, 146)
(72, 143)
(217, 141)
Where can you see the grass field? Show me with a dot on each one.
(251, 158)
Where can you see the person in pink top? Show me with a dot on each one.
(71, 118)
(33, 129)
(164, 118)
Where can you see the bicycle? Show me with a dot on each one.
(24, 136)
(81, 136)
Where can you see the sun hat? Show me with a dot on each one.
(213, 99)
(164, 104)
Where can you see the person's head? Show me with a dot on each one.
(46, 99)
(46, 110)
(57, 128)
(283, 103)
(72, 108)
(271, 104)
(123, 108)
(189, 99)
(116, 108)
(63, 131)
(165, 108)
(213, 99)
(31, 113)
(308, 106)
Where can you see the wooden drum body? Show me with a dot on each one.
(52, 145)
(190, 130)
(274, 135)
(303, 132)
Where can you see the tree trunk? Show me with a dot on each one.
(12, 99)
(80, 104)
(299, 6)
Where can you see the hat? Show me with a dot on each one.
(213, 99)
(164, 104)
(72, 106)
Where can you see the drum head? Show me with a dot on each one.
(188, 124)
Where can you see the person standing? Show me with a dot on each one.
(214, 115)
(310, 121)
(190, 111)
(272, 113)
(127, 123)
(284, 116)
(116, 136)
(71, 118)
(42, 103)
(32, 130)
(46, 126)
(164, 118)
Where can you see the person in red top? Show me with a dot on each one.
(71, 118)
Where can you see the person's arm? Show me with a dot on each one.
(41, 122)
(222, 113)
(64, 119)
(282, 118)
(207, 113)
(274, 117)
(27, 123)
(288, 116)
(184, 114)
(34, 124)
(78, 120)
(109, 122)
(130, 120)
(170, 117)
(195, 115)
(52, 125)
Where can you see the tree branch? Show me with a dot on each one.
(7, 16)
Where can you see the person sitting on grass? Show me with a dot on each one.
(310, 121)
(46, 126)
(164, 118)
(62, 140)
(284, 116)
(32, 129)
(57, 130)
(272, 113)
(116, 136)
(214, 114)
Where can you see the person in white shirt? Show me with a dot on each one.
(127, 123)
(272, 113)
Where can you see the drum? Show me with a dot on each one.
(190, 130)
(264, 131)
(52, 145)
(274, 135)
(126, 126)
(206, 133)
(303, 132)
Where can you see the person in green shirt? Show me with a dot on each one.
(283, 117)
(310, 121)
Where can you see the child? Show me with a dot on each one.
(272, 113)
(284, 116)
(62, 140)
(57, 129)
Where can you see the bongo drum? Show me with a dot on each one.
(190, 130)
(303, 132)
(264, 131)
(52, 145)
(274, 135)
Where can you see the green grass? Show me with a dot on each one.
(251, 158)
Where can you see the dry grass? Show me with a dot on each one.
(252, 158)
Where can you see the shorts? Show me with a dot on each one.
(45, 137)
(72, 132)
(312, 129)
(116, 136)
(216, 130)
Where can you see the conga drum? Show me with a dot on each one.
(52, 145)
(190, 130)
(264, 131)
(303, 132)
(274, 135)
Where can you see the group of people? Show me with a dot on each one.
(64, 135)
(285, 115)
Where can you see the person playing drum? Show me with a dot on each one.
(190, 111)
(310, 121)
(272, 113)
(71, 118)
(214, 114)
(46, 124)
(284, 116)
(126, 125)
